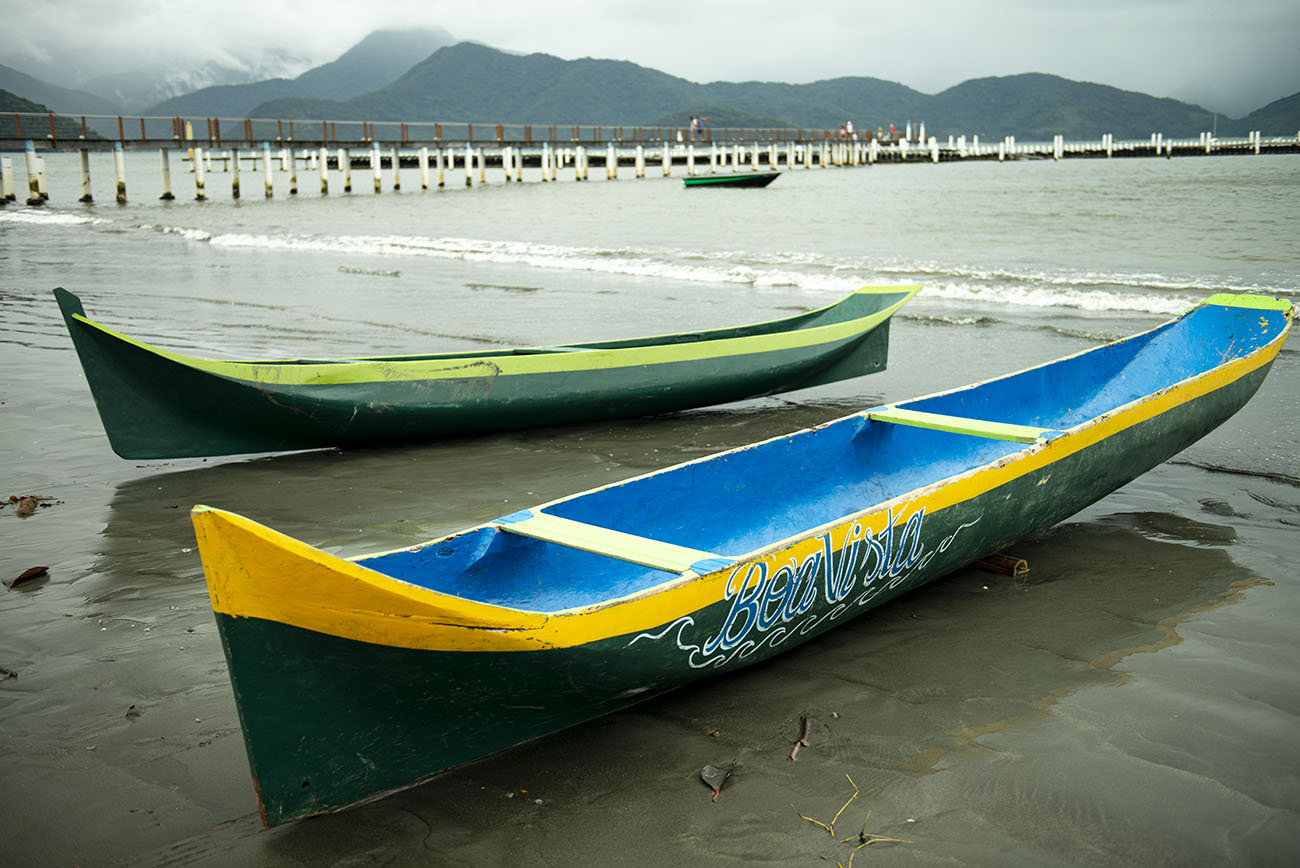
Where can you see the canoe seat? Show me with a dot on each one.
(611, 543)
(961, 425)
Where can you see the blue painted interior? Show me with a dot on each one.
(739, 501)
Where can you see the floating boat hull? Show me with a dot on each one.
(356, 677)
(738, 179)
(158, 404)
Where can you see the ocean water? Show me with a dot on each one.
(1133, 700)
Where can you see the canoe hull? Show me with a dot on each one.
(745, 179)
(382, 717)
(155, 406)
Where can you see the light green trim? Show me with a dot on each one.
(603, 541)
(959, 425)
(1254, 302)
(461, 367)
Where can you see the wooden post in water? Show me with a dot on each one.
(293, 172)
(482, 166)
(234, 173)
(119, 171)
(376, 167)
(690, 159)
(345, 166)
(424, 168)
(546, 160)
(667, 158)
(469, 165)
(640, 161)
(507, 161)
(397, 170)
(86, 195)
(438, 155)
(33, 186)
(200, 193)
(324, 159)
(266, 167)
(611, 162)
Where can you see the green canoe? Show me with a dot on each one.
(738, 179)
(159, 404)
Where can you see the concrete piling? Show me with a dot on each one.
(86, 195)
(165, 160)
(119, 172)
(293, 173)
(266, 168)
(345, 166)
(376, 167)
(234, 173)
(397, 171)
(33, 170)
(200, 183)
(7, 180)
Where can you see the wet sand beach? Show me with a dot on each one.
(1132, 700)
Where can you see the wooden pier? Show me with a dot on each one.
(446, 153)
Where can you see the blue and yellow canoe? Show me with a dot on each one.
(160, 404)
(358, 676)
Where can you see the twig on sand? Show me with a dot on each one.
(802, 741)
(863, 837)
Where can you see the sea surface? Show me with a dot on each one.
(1133, 700)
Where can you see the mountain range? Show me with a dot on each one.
(426, 75)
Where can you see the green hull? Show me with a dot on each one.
(743, 179)
(160, 405)
(329, 721)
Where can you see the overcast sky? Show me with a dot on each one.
(1231, 56)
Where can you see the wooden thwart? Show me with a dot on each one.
(610, 543)
(961, 425)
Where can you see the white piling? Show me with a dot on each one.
(934, 149)
(266, 166)
(667, 157)
(438, 156)
(469, 165)
(825, 149)
(33, 185)
(789, 155)
(293, 173)
(1257, 134)
(86, 195)
(324, 159)
(284, 159)
(376, 167)
(200, 182)
(7, 179)
(234, 173)
(40, 180)
(397, 170)
(424, 168)
(345, 166)
(640, 161)
(119, 172)
(611, 162)
(713, 157)
(690, 159)
(482, 166)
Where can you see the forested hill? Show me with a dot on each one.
(471, 82)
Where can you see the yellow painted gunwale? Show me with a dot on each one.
(398, 370)
(300, 585)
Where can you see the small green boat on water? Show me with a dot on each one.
(735, 179)
(356, 676)
(159, 404)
